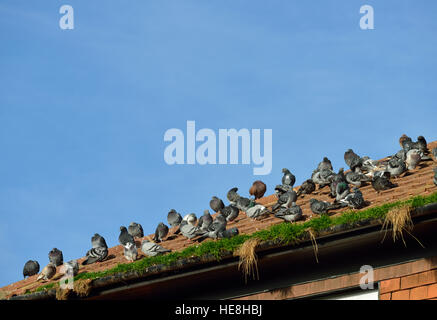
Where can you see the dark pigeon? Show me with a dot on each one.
(291, 214)
(125, 237)
(354, 199)
(160, 232)
(98, 241)
(216, 204)
(322, 207)
(205, 220)
(31, 268)
(230, 212)
(135, 230)
(325, 164)
(382, 182)
(307, 187)
(56, 257)
(352, 160)
(288, 178)
(285, 200)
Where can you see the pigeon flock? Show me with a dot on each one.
(363, 171)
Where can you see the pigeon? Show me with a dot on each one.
(160, 232)
(434, 153)
(396, 167)
(191, 218)
(285, 200)
(258, 189)
(251, 208)
(230, 212)
(322, 207)
(422, 145)
(354, 199)
(232, 195)
(325, 164)
(229, 233)
(71, 268)
(368, 164)
(288, 179)
(56, 257)
(335, 180)
(135, 230)
(216, 204)
(190, 231)
(356, 178)
(217, 226)
(98, 241)
(435, 176)
(323, 177)
(130, 251)
(352, 160)
(125, 237)
(96, 254)
(174, 219)
(205, 220)
(31, 268)
(281, 189)
(307, 187)
(382, 182)
(47, 273)
(342, 190)
(291, 214)
(413, 158)
(152, 249)
(406, 143)
(401, 154)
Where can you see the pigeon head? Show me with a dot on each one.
(123, 228)
(421, 139)
(325, 159)
(285, 170)
(172, 211)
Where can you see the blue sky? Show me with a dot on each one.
(83, 112)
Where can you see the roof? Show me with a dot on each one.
(418, 182)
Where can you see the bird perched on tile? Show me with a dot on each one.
(435, 176)
(335, 180)
(205, 221)
(47, 272)
(191, 218)
(291, 214)
(353, 160)
(135, 230)
(71, 268)
(412, 159)
(216, 204)
(354, 199)
(356, 178)
(322, 207)
(396, 167)
(30, 268)
(130, 251)
(325, 164)
(342, 190)
(189, 230)
(125, 237)
(288, 179)
(422, 145)
(230, 212)
(281, 189)
(307, 187)
(218, 226)
(285, 200)
(406, 143)
(368, 164)
(160, 232)
(174, 218)
(229, 233)
(152, 249)
(258, 189)
(323, 177)
(401, 154)
(98, 252)
(250, 207)
(382, 182)
(56, 257)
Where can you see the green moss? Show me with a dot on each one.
(287, 233)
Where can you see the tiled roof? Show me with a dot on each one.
(418, 182)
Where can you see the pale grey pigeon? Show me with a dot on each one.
(413, 158)
(288, 178)
(135, 230)
(130, 251)
(71, 268)
(396, 167)
(322, 207)
(152, 249)
(291, 214)
(356, 178)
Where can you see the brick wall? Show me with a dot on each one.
(418, 286)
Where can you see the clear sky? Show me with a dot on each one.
(83, 112)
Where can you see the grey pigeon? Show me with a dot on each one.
(322, 207)
(30, 268)
(190, 231)
(325, 164)
(307, 187)
(413, 158)
(98, 241)
(232, 195)
(152, 249)
(130, 251)
(396, 167)
(323, 177)
(191, 218)
(401, 154)
(252, 209)
(205, 221)
(135, 230)
(174, 218)
(229, 233)
(435, 176)
(281, 189)
(285, 200)
(125, 237)
(368, 164)
(97, 254)
(406, 143)
(354, 199)
(342, 190)
(382, 182)
(291, 214)
(47, 272)
(352, 160)
(288, 178)
(216, 204)
(335, 180)
(434, 153)
(422, 145)
(356, 178)
(160, 232)
(71, 268)
(56, 257)
(218, 226)
(230, 212)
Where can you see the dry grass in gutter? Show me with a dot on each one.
(248, 258)
(83, 287)
(314, 242)
(399, 218)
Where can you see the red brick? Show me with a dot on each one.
(419, 293)
(385, 296)
(390, 285)
(419, 279)
(401, 295)
(432, 291)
